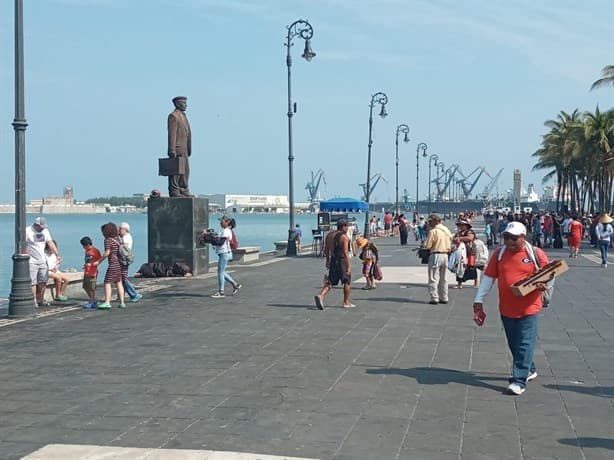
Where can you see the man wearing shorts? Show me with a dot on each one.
(37, 237)
(337, 251)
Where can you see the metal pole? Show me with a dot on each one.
(368, 190)
(396, 203)
(422, 146)
(304, 29)
(381, 99)
(21, 301)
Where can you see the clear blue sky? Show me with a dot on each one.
(475, 80)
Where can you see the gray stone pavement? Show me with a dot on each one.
(265, 372)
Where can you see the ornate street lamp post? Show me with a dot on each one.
(421, 146)
(432, 160)
(402, 128)
(382, 99)
(21, 300)
(303, 29)
(440, 168)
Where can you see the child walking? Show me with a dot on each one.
(90, 271)
(369, 257)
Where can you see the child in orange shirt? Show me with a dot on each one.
(90, 271)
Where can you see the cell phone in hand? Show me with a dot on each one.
(479, 317)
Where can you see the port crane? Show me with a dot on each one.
(464, 181)
(494, 181)
(313, 186)
(442, 187)
(373, 181)
(406, 202)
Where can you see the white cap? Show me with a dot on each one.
(125, 225)
(515, 228)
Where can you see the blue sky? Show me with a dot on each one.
(475, 80)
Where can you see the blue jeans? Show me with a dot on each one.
(130, 289)
(222, 276)
(603, 248)
(521, 336)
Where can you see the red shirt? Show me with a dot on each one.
(91, 255)
(513, 267)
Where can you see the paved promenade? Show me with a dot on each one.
(183, 376)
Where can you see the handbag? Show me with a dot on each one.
(423, 255)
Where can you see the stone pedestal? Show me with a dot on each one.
(173, 228)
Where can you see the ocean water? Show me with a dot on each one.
(67, 229)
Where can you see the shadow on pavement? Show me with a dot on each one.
(287, 305)
(602, 443)
(442, 376)
(605, 392)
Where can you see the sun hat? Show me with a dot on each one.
(125, 225)
(606, 219)
(515, 228)
(41, 221)
(361, 241)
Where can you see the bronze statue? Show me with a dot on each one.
(179, 145)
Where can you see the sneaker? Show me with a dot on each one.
(319, 303)
(136, 298)
(350, 305)
(236, 289)
(531, 376)
(515, 388)
(443, 301)
(104, 306)
(89, 306)
(434, 302)
(218, 295)
(122, 305)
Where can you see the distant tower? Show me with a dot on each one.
(517, 182)
(68, 193)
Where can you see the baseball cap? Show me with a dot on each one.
(434, 216)
(224, 217)
(41, 221)
(515, 228)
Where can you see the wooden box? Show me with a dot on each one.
(171, 166)
(543, 275)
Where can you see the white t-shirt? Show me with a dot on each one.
(127, 240)
(52, 261)
(36, 242)
(225, 233)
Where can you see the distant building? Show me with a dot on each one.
(251, 203)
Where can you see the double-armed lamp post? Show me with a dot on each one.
(21, 300)
(421, 146)
(381, 99)
(402, 128)
(432, 160)
(304, 30)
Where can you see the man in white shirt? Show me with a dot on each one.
(37, 237)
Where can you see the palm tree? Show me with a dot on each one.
(607, 78)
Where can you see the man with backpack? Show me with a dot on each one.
(513, 262)
(337, 253)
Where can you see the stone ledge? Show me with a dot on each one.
(246, 254)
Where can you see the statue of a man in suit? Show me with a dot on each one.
(179, 145)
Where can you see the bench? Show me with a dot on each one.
(74, 287)
(246, 254)
(281, 245)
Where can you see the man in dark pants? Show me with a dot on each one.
(179, 145)
(518, 314)
(337, 252)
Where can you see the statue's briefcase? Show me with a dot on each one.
(171, 166)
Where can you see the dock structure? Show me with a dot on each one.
(264, 374)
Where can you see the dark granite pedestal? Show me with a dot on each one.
(173, 228)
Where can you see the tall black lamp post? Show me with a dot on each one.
(381, 99)
(402, 128)
(432, 160)
(303, 29)
(21, 300)
(421, 146)
(440, 168)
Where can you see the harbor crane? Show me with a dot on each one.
(373, 181)
(494, 181)
(313, 186)
(447, 176)
(406, 202)
(467, 186)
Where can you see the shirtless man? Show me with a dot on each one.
(337, 251)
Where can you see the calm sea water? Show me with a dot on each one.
(67, 229)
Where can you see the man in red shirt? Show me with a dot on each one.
(518, 314)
